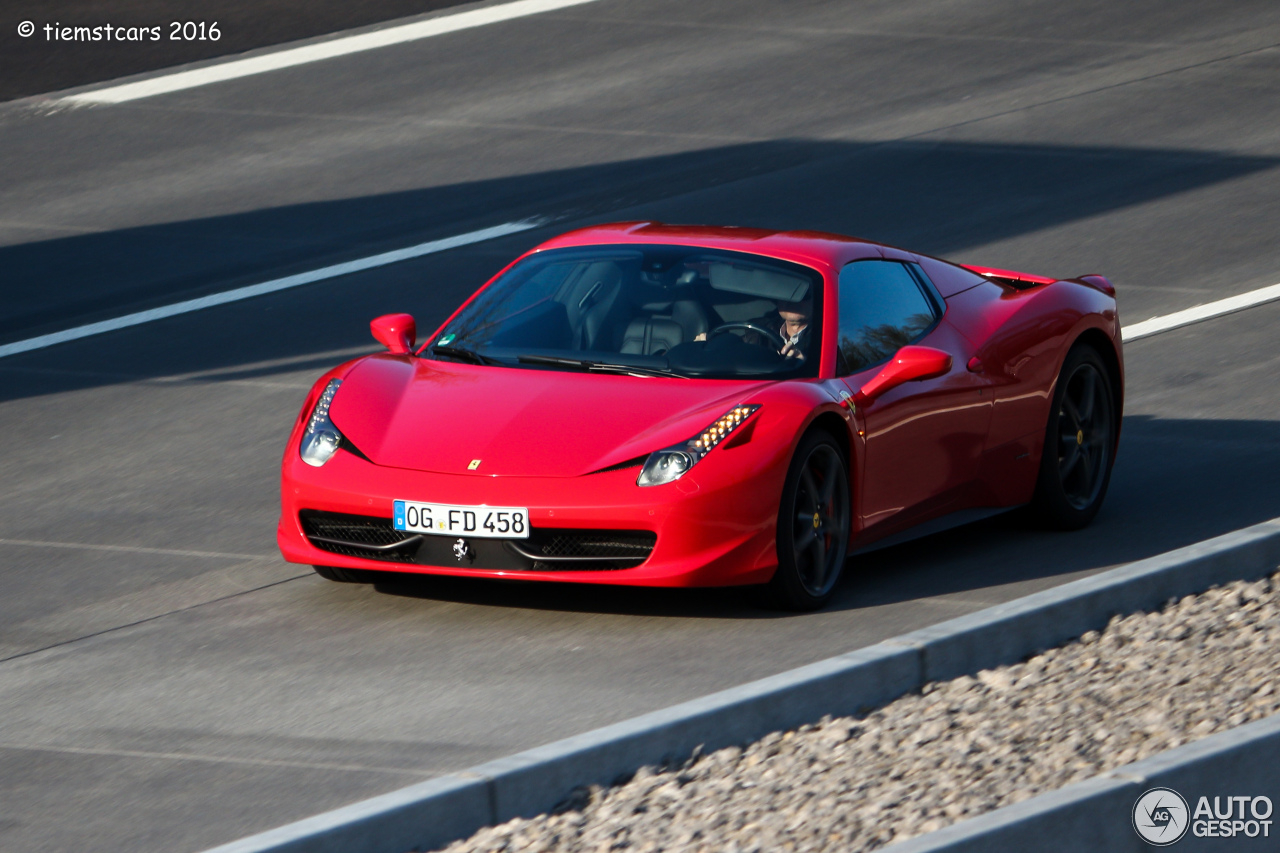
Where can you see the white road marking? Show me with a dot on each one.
(342, 46)
(130, 549)
(218, 759)
(1156, 325)
(358, 265)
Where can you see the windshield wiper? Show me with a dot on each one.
(632, 370)
(464, 354)
(596, 366)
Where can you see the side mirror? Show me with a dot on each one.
(396, 332)
(909, 364)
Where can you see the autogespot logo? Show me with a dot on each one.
(1160, 816)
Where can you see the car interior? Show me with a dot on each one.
(655, 302)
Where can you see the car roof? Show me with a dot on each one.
(813, 248)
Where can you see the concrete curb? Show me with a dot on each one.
(433, 813)
(1094, 816)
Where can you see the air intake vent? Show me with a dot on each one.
(358, 536)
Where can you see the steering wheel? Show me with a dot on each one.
(769, 334)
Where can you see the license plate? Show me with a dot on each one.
(481, 522)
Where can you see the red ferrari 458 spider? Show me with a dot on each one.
(647, 404)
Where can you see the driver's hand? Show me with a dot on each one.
(791, 352)
(701, 336)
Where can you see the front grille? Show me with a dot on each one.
(359, 529)
(605, 544)
(358, 536)
(560, 549)
(546, 549)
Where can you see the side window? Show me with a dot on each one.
(883, 307)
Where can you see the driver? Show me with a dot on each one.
(795, 327)
(791, 320)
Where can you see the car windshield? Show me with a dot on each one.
(645, 310)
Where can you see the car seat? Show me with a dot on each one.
(671, 324)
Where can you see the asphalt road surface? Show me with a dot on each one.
(167, 683)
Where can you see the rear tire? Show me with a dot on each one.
(1079, 443)
(333, 573)
(813, 526)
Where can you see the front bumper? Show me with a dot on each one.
(715, 526)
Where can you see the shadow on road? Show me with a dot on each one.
(932, 197)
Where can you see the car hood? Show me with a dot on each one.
(407, 412)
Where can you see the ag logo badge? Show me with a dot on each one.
(1161, 817)
(475, 463)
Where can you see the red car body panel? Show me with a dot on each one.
(550, 440)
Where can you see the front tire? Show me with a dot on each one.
(1079, 443)
(813, 526)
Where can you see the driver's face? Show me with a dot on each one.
(795, 316)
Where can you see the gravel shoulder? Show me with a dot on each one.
(1147, 683)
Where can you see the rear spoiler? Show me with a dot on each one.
(1026, 281)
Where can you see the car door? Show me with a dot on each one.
(922, 439)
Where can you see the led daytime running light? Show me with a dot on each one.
(320, 414)
(719, 431)
(320, 440)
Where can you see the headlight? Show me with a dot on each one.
(669, 464)
(321, 438)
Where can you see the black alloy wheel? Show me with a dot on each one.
(813, 525)
(1079, 444)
